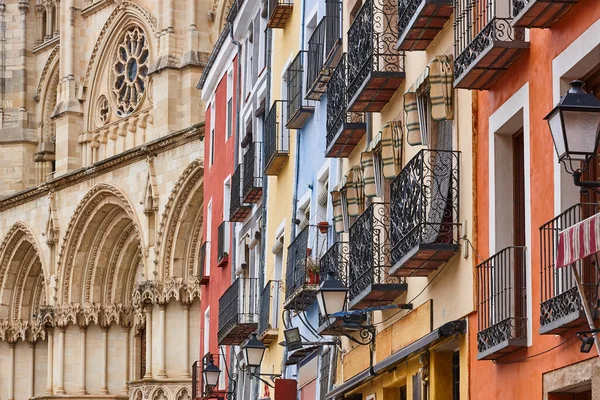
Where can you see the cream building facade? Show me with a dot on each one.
(101, 192)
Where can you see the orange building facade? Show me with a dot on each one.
(523, 342)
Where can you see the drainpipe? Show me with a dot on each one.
(297, 156)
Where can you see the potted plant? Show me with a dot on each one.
(323, 226)
(313, 270)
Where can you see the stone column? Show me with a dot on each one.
(125, 390)
(185, 371)
(11, 371)
(57, 15)
(50, 377)
(48, 23)
(40, 23)
(31, 369)
(82, 351)
(162, 373)
(23, 8)
(104, 365)
(148, 374)
(60, 370)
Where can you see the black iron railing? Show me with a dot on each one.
(372, 39)
(277, 135)
(316, 53)
(238, 306)
(323, 40)
(268, 317)
(236, 193)
(559, 294)
(252, 172)
(223, 242)
(303, 259)
(295, 76)
(477, 25)
(425, 202)
(369, 259)
(502, 298)
(337, 102)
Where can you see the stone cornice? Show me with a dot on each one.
(160, 145)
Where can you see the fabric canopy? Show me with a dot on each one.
(387, 147)
(439, 74)
(338, 211)
(355, 195)
(578, 241)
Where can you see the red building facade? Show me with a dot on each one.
(524, 198)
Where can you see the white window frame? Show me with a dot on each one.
(206, 333)
(207, 259)
(211, 151)
(509, 117)
(229, 113)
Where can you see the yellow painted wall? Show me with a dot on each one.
(452, 291)
(286, 44)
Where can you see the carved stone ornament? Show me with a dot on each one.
(130, 71)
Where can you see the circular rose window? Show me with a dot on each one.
(130, 70)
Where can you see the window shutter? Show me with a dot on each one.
(416, 386)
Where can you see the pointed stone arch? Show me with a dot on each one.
(91, 245)
(179, 232)
(22, 283)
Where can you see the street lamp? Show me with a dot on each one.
(574, 124)
(211, 373)
(331, 295)
(253, 351)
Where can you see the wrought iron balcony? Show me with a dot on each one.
(561, 308)
(335, 259)
(238, 312)
(485, 42)
(324, 50)
(539, 13)
(420, 21)
(277, 139)
(223, 244)
(502, 304)
(425, 217)
(344, 129)
(375, 67)
(298, 108)
(202, 276)
(279, 12)
(269, 312)
(369, 280)
(303, 265)
(238, 211)
(252, 191)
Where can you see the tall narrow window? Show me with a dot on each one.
(518, 217)
(222, 361)
(205, 341)
(211, 156)
(456, 376)
(208, 237)
(229, 116)
(226, 199)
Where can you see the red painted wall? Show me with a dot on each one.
(214, 177)
(523, 380)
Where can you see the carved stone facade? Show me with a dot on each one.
(101, 193)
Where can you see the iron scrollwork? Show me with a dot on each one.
(510, 328)
(425, 202)
(370, 250)
(372, 38)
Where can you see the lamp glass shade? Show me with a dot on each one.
(331, 295)
(331, 302)
(253, 351)
(574, 124)
(211, 374)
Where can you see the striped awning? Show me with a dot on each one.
(440, 75)
(578, 241)
(338, 211)
(387, 145)
(355, 194)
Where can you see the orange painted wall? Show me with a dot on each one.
(523, 380)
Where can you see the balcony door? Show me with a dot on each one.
(518, 171)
